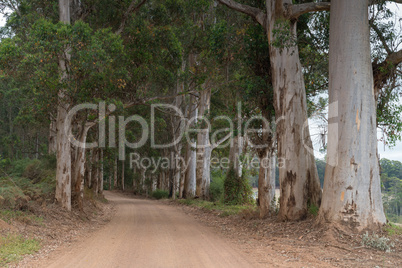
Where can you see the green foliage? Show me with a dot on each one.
(237, 190)
(216, 187)
(377, 242)
(393, 229)
(313, 209)
(223, 209)
(160, 194)
(283, 36)
(391, 182)
(28, 180)
(21, 216)
(13, 247)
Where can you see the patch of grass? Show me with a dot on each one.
(313, 209)
(13, 247)
(393, 229)
(21, 216)
(159, 194)
(377, 242)
(225, 210)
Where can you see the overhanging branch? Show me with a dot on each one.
(254, 12)
(295, 11)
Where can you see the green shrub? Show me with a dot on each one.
(377, 242)
(216, 187)
(237, 190)
(13, 247)
(159, 194)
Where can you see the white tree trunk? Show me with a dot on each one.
(352, 192)
(122, 174)
(299, 180)
(52, 137)
(266, 182)
(78, 169)
(115, 173)
(202, 143)
(101, 171)
(63, 170)
(235, 153)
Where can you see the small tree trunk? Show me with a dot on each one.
(122, 174)
(52, 137)
(115, 173)
(101, 171)
(202, 143)
(352, 191)
(95, 172)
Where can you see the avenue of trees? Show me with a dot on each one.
(225, 66)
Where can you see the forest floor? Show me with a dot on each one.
(297, 244)
(137, 232)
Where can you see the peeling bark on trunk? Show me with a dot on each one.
(266, 177)
(63, 170)
(299, 180)
(352, 192)
(78, 169)
(202, 186)
(266, 183)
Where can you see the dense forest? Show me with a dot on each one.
(198, 98)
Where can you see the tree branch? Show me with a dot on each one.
(373, 2)
(295, 11)
(380, 36)
(131, 9)
(219, 142)
(255, 13)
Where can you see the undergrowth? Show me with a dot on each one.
(223, 209)
(14, 247)
(377, 242)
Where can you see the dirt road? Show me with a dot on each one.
(146, 233)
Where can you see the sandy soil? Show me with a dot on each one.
(146, 233)
(137, 232)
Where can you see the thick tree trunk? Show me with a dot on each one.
(299, 180)
(78, 169)
(266, 177)
(202, 186)
(63, 170)
(352, 192)
(266, 183)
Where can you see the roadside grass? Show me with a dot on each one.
(21, 216)
(13, 247)
(223, 209)
(393, 229)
